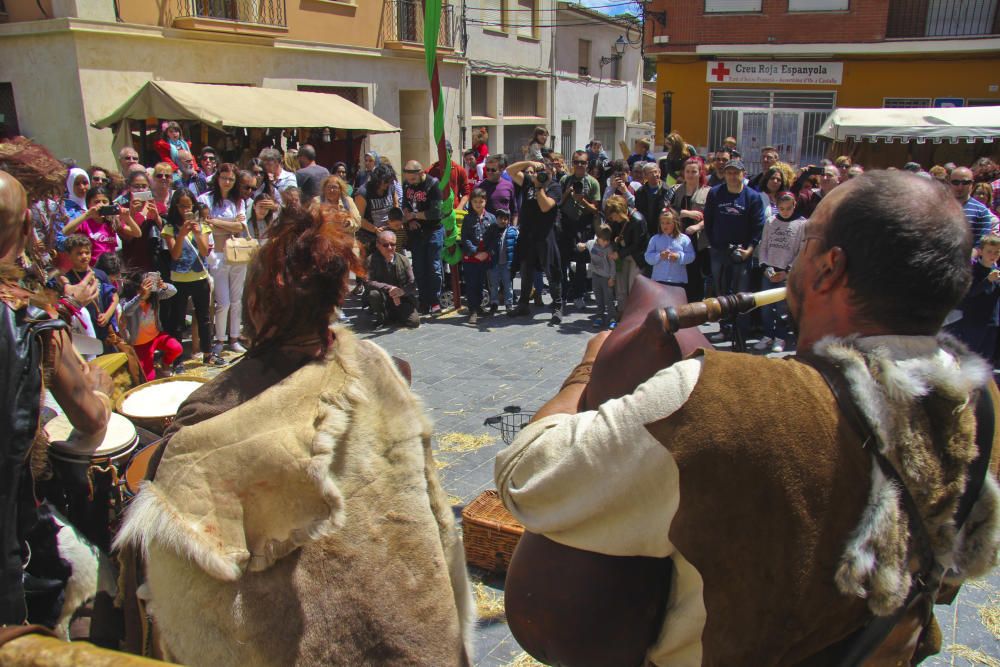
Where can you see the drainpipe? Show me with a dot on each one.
(464, 86)
(553, 14)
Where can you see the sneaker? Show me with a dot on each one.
(779, 345)
(217, 348)
(236, 347)
(519, 311)
(557, 316)
(764, 343)
(599, 323)
(435, 309)
(578, 304)
(473, 317)
(718, 337)
(214, 360)
(177, 368)
(494, 308)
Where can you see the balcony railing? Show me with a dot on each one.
(256, 12)
(942, 18)
(403, 21)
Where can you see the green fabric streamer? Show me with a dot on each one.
(451, 252)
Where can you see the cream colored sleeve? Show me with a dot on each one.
(598, 480)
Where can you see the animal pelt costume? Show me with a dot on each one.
(785, 536)
(306, 526)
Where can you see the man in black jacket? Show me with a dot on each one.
(422, 213)
(392, 289)
(651, 198)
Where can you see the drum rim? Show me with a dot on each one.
(70, 456)
(120, 407)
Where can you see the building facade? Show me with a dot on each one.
(67, 63)
(597, 80)
(768, 72)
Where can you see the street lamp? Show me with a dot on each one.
(620, 45)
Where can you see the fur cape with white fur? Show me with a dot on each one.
(306, 526)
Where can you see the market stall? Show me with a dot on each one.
(892, 137)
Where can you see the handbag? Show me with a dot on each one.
(240, 250)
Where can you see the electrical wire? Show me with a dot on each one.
(612, 5)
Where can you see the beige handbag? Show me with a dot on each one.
(240, 250)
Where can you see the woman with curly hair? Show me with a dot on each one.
(297, 497)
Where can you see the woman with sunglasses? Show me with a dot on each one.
(143, 253)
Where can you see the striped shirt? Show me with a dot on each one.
(982, 221)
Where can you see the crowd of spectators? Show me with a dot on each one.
(160, 237)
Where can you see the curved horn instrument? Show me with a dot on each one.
(675, 318)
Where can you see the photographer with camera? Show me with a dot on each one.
(536, 244)
(143, 253)
(581, 200)
(734, 221)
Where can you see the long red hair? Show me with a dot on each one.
(298, 279)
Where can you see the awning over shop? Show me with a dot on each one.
(953, 125)
(243, 106)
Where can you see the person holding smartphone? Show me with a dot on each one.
(102, 223)
(187, 238)
(141, 252)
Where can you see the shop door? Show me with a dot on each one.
(751, 138)
(786, 135)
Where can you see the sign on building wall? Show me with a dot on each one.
(766, 71)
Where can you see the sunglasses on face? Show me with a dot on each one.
(411, 171)
(209, 158)
(164, 176)
(582, 163)
(387, 245)
(961, 182)
(491, 171)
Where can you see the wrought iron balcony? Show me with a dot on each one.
(403, 22)
(255, 12)
(942, 18)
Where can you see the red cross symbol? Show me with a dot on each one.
(720, 72)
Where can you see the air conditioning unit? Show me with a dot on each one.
(661, 39)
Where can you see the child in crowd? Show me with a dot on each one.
(602, 274)
(501, 238)
(102, 224)
(92, 320)
(475, 257)
(111, 264)
(670, 251)
(981, 305)
(145, 331)
(779, 244)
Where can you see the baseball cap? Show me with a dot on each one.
(735, 164)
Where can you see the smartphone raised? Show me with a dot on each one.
(143, 195)
(110, 209)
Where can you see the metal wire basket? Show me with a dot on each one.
(510, 422)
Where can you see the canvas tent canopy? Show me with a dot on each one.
(244, 106)
(221, 106)
(952, 125)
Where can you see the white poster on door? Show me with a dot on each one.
(752, 71)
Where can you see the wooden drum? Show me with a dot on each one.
(153, 405)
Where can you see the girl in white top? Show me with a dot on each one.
(226, 215)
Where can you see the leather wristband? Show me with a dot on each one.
(579, 375)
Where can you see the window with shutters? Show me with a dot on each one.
(493, 14)
(584, 57)
(520, 97)
(818, 5)
(525, 19)
(731, 6)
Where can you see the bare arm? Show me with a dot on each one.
(545, 202)
(71, 226)
(74, 384)
(516, 170)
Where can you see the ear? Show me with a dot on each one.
(831, 270)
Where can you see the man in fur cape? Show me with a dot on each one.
(788, 529)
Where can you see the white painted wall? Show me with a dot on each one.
(65, 79)
(585, 99)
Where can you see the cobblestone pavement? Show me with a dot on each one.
(465, 374)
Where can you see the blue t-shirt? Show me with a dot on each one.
(733, 218)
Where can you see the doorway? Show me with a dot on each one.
(566, 132)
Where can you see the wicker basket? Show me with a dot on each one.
(155, 424)
(490, 532)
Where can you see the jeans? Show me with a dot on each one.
(773, 314)
(729, 278)
(500, 278)
(428, 268)
(229, 280)
(539, 254)
(199, 292)
(604, 294)
(475, 277)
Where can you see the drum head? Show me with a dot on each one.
(161, 399)
(119, 437)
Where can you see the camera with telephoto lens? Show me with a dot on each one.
(541, 177)
(735, 255)
(578, 187)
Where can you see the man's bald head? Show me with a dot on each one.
(413, 172)
(13, 207)
(907, 246)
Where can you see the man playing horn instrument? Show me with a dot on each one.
(796, 534)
